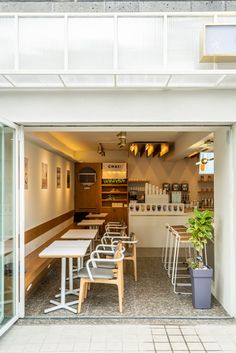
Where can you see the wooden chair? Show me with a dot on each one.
(92, 273)
(131, 250)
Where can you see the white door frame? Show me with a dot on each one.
(19, 221)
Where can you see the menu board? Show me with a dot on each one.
(207, 168)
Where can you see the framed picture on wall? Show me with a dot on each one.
(68, 179)
(58, 177)
(26, 173)
(44, 175)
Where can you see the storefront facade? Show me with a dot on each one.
(146, 98)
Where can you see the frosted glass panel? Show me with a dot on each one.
(35, 80)
(221, 40)
(228, 82)
(140, 43)
(41, 43)
(142, 80)
(184, 42)
(226, 19)
(88, 80)
(4, 83)
(90, 43)
(194, 80)
(7, 43)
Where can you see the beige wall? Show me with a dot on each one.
(157, 171)
(42, 205)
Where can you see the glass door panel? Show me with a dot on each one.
(8, 231)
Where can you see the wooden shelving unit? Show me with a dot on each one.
(114, 193)
(206, 192)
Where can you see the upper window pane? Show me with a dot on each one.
(184, 42)
(7, 43)
(140, 43)
(41, 43)
(90, 43)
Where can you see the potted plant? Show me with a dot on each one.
(201, 230)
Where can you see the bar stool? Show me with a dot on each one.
(182, 239)
(169, 246)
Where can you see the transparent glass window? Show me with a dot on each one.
(41, 43)
(184, 42)
(7, 43)
(140, 42)
(7, 229)
(90, 43)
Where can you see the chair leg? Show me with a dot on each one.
(135, 270)
(81, 293)
(120, 297)
(86, 290)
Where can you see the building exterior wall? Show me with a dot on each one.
(117, 6)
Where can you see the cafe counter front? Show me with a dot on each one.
(148, 221)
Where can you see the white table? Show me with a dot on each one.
(91, 223)
(96, 215)
(81, 234)
(63, 249)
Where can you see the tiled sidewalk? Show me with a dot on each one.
(119, 339)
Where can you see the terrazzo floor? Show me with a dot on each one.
(151, 297)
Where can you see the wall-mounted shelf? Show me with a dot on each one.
(114, 192)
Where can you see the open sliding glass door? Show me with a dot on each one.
(9, 224)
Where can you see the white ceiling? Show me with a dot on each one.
(88, 141)
(77, 145)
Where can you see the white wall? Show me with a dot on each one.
(225, 275)
(123, 107)
(42, 205)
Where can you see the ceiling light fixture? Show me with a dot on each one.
(164, 149)
(122, 139)
(133, 148)
(149, 149)
(100, 150)
(204, 161)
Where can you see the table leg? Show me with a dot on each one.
(71, 290)
(62, 304)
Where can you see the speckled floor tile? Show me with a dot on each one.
(151, 297)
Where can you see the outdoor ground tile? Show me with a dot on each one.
(179, 346)
(211, 346)
(195, 346)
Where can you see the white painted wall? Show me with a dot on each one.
(104, 106)
(41, 205)
(225, 275)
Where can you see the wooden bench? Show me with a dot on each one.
(36, 267)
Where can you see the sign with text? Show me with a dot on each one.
(114, 170)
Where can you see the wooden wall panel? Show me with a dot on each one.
(88, 200)
(35, 232)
